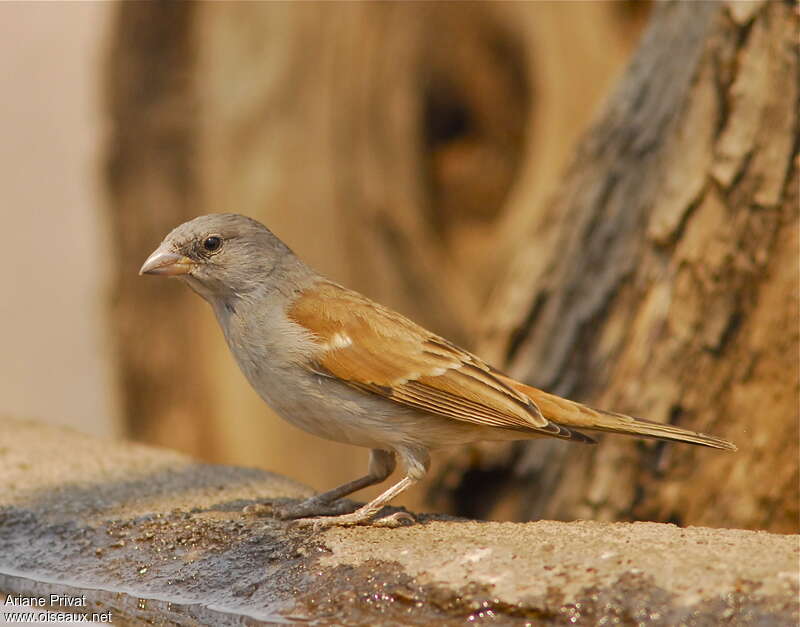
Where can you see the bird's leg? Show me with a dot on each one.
(367, 512)
(416, 462)
(381, 465)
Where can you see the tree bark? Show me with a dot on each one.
(662, 281)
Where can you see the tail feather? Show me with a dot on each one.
(574, 415)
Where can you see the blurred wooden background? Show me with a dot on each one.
(609, 217)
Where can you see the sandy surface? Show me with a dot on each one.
(692, 563)
(119, 524)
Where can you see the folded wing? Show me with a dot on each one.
(381, 352)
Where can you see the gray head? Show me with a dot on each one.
(223, 256)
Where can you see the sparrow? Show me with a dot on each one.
(338, 365)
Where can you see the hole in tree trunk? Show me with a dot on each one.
(475, 109)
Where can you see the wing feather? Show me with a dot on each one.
(379, 351)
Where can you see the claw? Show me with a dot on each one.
(258, 509)
(398, 519)
(304, 509)
(318, 523)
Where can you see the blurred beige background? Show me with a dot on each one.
(58, 363)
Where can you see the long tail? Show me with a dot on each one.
(571, 414)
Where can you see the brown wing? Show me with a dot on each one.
(377, 350)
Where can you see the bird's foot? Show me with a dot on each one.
(291, 510)
(398, 519)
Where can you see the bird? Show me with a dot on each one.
(343, 367)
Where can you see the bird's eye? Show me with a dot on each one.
(212, 244)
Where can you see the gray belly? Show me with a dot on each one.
(333, 410)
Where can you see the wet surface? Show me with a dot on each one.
(213, 560)
(381, 593)
(153, 537)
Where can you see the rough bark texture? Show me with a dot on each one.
(662, 281)
(383, 141)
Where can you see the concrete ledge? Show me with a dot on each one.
(148, 534)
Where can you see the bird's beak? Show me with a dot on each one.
(167, 263)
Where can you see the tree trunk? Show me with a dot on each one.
(662, 282)
(152, 185)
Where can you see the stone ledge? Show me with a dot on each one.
(152, 535)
